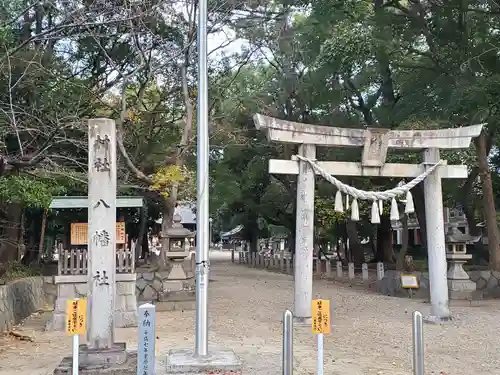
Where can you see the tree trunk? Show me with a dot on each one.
(166, 223)
(142, 236)
(254, 242)
(490, 214)
(42, 235)
(9, 249)
(468, 204)
(419, 202)
(404, 244)
(355, 248)
(144, 249)
(384, 240)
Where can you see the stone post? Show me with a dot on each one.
(254, 260)
(282, 261)
(304, 242)
(101, 233)
(340, 272)
(435, 240)
(350, 271)
(232, 255)
(193, 263)
(380, 271)
(318, 266)
(146, 341)
(328, 268)
(364, 272)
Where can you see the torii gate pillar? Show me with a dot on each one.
(435, 239)
(304, 237)
(375, 143)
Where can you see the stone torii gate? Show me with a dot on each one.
(375, 143)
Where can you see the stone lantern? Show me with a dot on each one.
(179, 246)
(459, 284)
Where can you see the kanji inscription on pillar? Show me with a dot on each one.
(101, 232)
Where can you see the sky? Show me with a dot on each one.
(215, 40)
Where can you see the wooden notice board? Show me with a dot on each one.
(79, 233)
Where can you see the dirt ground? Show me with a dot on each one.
(371, 333)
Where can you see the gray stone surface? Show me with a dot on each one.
(125, 303)
(247, 307)
(155, 287)
(50, 289)
(487, 282)
(390, 285)
(175, 305)
(184, 362)
(461, 289)
(117, 354)
(128, 367)
(19, 299)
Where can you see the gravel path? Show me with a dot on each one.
(371, 333)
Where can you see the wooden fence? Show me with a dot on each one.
(75, 261)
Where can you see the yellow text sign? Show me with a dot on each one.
(321, 316)
(76, 316)
(409, 281)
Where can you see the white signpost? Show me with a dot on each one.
(146, 346)
(375, 144)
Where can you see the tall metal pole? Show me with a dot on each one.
(287, 355)
(202, 212)
(418, 343)
(210, 228)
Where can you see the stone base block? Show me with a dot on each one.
(184, 362)
(174, 301)
(390, 285)
(72, 286)
(461, 289)
(181, 295)
(175, 305)
(126, 319)
(57, 323)
(123, 319)
(300, 321)
(431, 319)
(116, 361)
(98, 357)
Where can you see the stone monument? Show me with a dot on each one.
(101, 354)
(459, 283)
(178, 287)
(375, 144)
